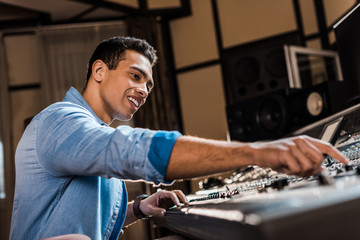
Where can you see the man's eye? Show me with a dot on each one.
(137, 77)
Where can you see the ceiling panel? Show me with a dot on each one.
(11, 13)
(103, 13)
(130, 3)
(59, 10)
(17, 13)
(163, 4)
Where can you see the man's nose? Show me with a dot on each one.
(143, 91)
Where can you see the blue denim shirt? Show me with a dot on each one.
(68, 170)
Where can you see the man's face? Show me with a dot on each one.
(124, 90)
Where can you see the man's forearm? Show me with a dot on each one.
(130, 216)
(301, 155)
(194, 157)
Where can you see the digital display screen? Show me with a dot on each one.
(331, 131)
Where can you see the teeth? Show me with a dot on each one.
(134, 101)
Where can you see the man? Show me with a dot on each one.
(69, 162)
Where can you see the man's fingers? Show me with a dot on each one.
(177, 196)
(181, 196)
(305, 163)
(156, 211)
(169, 198)
(288, 163)
(309, 150)
(327, 148)
(304, 155)
(310, 154)
(174, 198)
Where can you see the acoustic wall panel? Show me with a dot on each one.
(334, 9)
(308, 16)
(203, 103)
(22, 55)
(193, 37)
(248, 20)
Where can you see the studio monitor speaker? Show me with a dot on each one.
(276, 114)
(260, 118)
(253, 69)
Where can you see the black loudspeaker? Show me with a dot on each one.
(258, 119)
(276, 114)
(256, 68)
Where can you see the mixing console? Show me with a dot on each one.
(257, 203)
(274, 207)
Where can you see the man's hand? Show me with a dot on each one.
(300, 155)
(157, 203)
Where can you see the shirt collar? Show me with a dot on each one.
(73, 96)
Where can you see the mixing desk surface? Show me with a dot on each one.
(323, 207)
(256, 203)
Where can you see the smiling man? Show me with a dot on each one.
(70, 165)
(119, 93)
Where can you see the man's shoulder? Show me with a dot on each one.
(62, 109)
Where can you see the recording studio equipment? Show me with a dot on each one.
(324, 207)
(262, 204)
(260, 118)
(348, 45)
(276, 114)
(257, 68)
(314, 89)
(308, 67)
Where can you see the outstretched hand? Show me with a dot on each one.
(300, 155)
(157, 203)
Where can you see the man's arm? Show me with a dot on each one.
(70, 141)
(193, 157)
(130, 216)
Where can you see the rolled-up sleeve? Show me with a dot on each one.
(70, 141)
(161, 146)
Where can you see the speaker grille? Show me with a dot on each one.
(257, 68)
(258, 119)
(276, 114)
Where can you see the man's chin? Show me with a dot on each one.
(124, 118)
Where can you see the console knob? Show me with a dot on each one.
(280, 183)
(325, 179)
(349, 167)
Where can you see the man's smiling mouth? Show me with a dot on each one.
(133, 100)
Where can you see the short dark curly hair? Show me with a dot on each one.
(111, 51)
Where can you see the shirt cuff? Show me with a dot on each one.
(161, 146)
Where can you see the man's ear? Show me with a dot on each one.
(98, 70)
